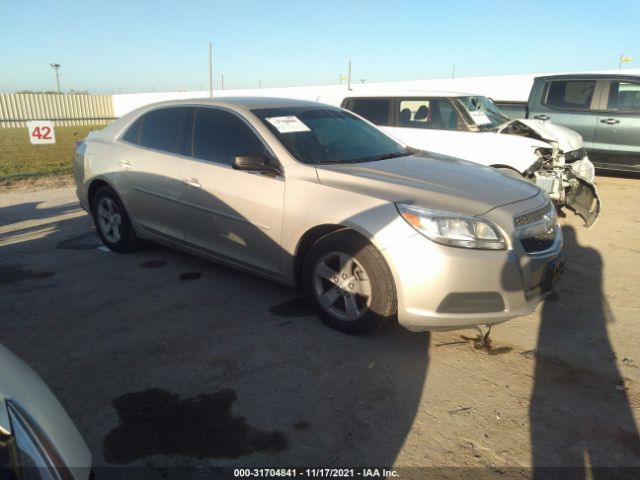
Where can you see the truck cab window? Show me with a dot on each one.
(570, 94)
(624, 97)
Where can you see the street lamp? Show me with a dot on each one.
(56, 68)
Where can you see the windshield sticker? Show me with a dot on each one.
(289, 124)
(479, 117)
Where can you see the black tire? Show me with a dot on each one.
(126, 240)
(511, 173)
(368, 267)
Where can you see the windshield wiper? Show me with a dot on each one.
(385, 156)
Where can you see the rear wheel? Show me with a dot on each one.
(349, 283)
(112, 222)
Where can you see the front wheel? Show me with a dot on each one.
(349, 283)
(112, 222)
(510, 172)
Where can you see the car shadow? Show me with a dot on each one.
(582, 423)
(179, 339)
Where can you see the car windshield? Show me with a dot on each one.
(483, 112)
(316, 135)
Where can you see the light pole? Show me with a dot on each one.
(210, 71)
(623, 60)
(56, 69)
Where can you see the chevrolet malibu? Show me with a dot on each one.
(313, 196)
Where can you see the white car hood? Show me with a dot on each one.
(485, 148)
(566, 139)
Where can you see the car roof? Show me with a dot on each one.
(589, 76)
(249, 103)
(393, 93)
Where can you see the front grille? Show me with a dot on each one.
(574, 155)
(538, 243)
(531, 217)
(537, 229)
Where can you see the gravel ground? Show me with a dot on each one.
(167, 361)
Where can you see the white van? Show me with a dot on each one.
(471, 127)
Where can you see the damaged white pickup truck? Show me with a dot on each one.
(471, 127)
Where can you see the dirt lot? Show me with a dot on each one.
(165, 360)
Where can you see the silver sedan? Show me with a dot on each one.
(314, 196)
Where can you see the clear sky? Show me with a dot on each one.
(140, 46)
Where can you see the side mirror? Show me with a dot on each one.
(255, 163)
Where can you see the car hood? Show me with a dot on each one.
(485, 148)
(566, 139)
(430, 180)
(32, 398)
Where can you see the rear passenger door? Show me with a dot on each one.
(149, 178)
(234, 214)
(571, 103)
(618, 128)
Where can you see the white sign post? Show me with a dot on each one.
(41, 132)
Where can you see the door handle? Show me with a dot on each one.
(192, 182)
(542, 117)
(125, 164)
(609, 121)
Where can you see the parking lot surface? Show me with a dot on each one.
(166, 360)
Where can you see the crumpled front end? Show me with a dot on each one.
(568, 189)
(565, 171)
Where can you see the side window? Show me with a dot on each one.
(376, 110)
(218, 136)
(447, 114)
(165, 128)
(413, 113)
(570, 94)
(436, 114)
(624, 96)
(133, 134)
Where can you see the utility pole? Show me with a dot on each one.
(222, 80)
(56, 69)
(453, 72)
(260, 83)
(210, 70)
(349, 77)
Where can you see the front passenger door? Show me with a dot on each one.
(571, 103)
(236, 215)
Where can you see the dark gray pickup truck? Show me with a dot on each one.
(603, 108)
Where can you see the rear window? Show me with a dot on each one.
(133, 134)
(570, 94)
(376, 110)
(164, 129)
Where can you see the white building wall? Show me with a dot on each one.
(501, 87)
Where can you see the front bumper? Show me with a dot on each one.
(447, 288)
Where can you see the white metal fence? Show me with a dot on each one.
(63, 109)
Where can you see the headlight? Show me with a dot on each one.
(453, 229)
